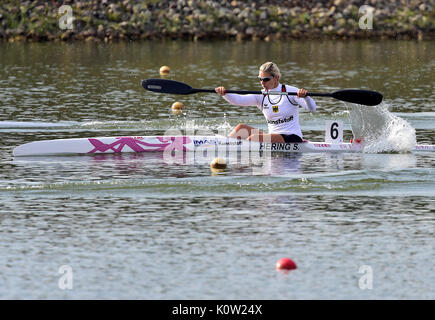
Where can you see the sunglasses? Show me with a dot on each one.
(265, 79)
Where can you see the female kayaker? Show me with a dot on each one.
(281, 112)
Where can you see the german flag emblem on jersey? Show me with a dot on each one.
(275, 109)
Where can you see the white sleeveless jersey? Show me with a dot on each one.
(281, 112)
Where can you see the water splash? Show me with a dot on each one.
(380, 130)
(204, 127)
(225, 127)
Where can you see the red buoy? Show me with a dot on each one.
(285, 264)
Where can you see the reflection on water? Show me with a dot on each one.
(389, 161)
(245, 174)
(275, 164)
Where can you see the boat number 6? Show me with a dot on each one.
(334, 131)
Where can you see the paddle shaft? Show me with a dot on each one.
(275, 93)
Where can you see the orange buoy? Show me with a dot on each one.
(177, 108)
(218, 163)
(164, 70)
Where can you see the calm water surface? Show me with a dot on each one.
(136, 227)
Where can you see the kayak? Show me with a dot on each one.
(130, 144)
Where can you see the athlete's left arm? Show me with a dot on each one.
(307, 102)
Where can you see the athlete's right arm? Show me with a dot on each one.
(239, 99)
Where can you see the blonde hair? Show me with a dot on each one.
(271, 68)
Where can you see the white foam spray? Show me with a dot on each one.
(380, 130)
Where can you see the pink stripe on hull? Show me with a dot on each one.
(135, 144)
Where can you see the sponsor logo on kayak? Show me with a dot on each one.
(345, 146)
(130, 137)
(424, 147)
(201, 142)
(322, 145)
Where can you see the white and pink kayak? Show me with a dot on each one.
(130, 144)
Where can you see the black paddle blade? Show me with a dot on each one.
(365, 97)
(166, 86)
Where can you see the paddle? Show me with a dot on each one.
(365, 97)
